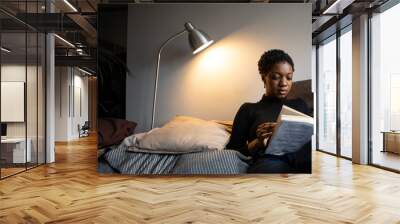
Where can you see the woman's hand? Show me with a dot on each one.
(264, 131)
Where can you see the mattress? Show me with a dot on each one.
(221, 162)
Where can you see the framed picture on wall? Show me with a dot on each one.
(12, 101)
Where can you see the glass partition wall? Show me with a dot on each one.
(22, 87)
(345, 62)
(334, 104)
(326, 104)
(385, 89)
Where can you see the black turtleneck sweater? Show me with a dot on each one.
(250, 115)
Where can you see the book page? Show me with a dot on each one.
(293, 125)
(290, 111)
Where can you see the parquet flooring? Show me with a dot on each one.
(71, 191)
(387, 159)
(10, 171)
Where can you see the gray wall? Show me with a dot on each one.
(66, 120)
(214, 83)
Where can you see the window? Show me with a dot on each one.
(333, 137)
(346, 93)
(326, 104)
(385, 88)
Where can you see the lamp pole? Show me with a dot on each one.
(198, 41)
(157, 72)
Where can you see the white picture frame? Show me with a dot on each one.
(12, 101)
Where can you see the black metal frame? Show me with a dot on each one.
(316, 96)
(26, 89)
(338, 98)
(369, 90)
(45, 89)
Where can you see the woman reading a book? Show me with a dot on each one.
(254, 123)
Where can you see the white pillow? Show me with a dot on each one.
(183, 134)
(132, 140)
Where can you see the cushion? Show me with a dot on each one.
(112, 131)
(183, 134)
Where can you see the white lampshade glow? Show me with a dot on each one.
(204, 46)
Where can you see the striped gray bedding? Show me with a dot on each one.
(223, 162)
(139, 163)
(212, 162)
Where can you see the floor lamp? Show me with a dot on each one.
(198, 41)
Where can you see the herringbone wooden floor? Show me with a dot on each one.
(71, 191)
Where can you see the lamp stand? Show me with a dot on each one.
(157, 72)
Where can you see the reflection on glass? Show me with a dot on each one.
(327, 96)
(41, 98)
(32, 84)
(385, 84)
(15, 149)
(31, 100)
(346, 94)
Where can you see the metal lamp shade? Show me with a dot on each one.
(198, 40)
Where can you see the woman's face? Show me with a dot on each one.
(278, 81)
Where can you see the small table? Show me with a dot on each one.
(391, 141)
(13, 150)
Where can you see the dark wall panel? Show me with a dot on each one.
(112, 34)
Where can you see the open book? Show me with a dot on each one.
(294, 130)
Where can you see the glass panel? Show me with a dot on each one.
(41, 98)
(31, 97)
(346, 94)
(385, 84)
(13, 89)
(327, 96)
(32, 85)
(22, 87)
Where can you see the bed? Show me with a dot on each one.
(169, 151)
(192, 146)
(118, 159)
